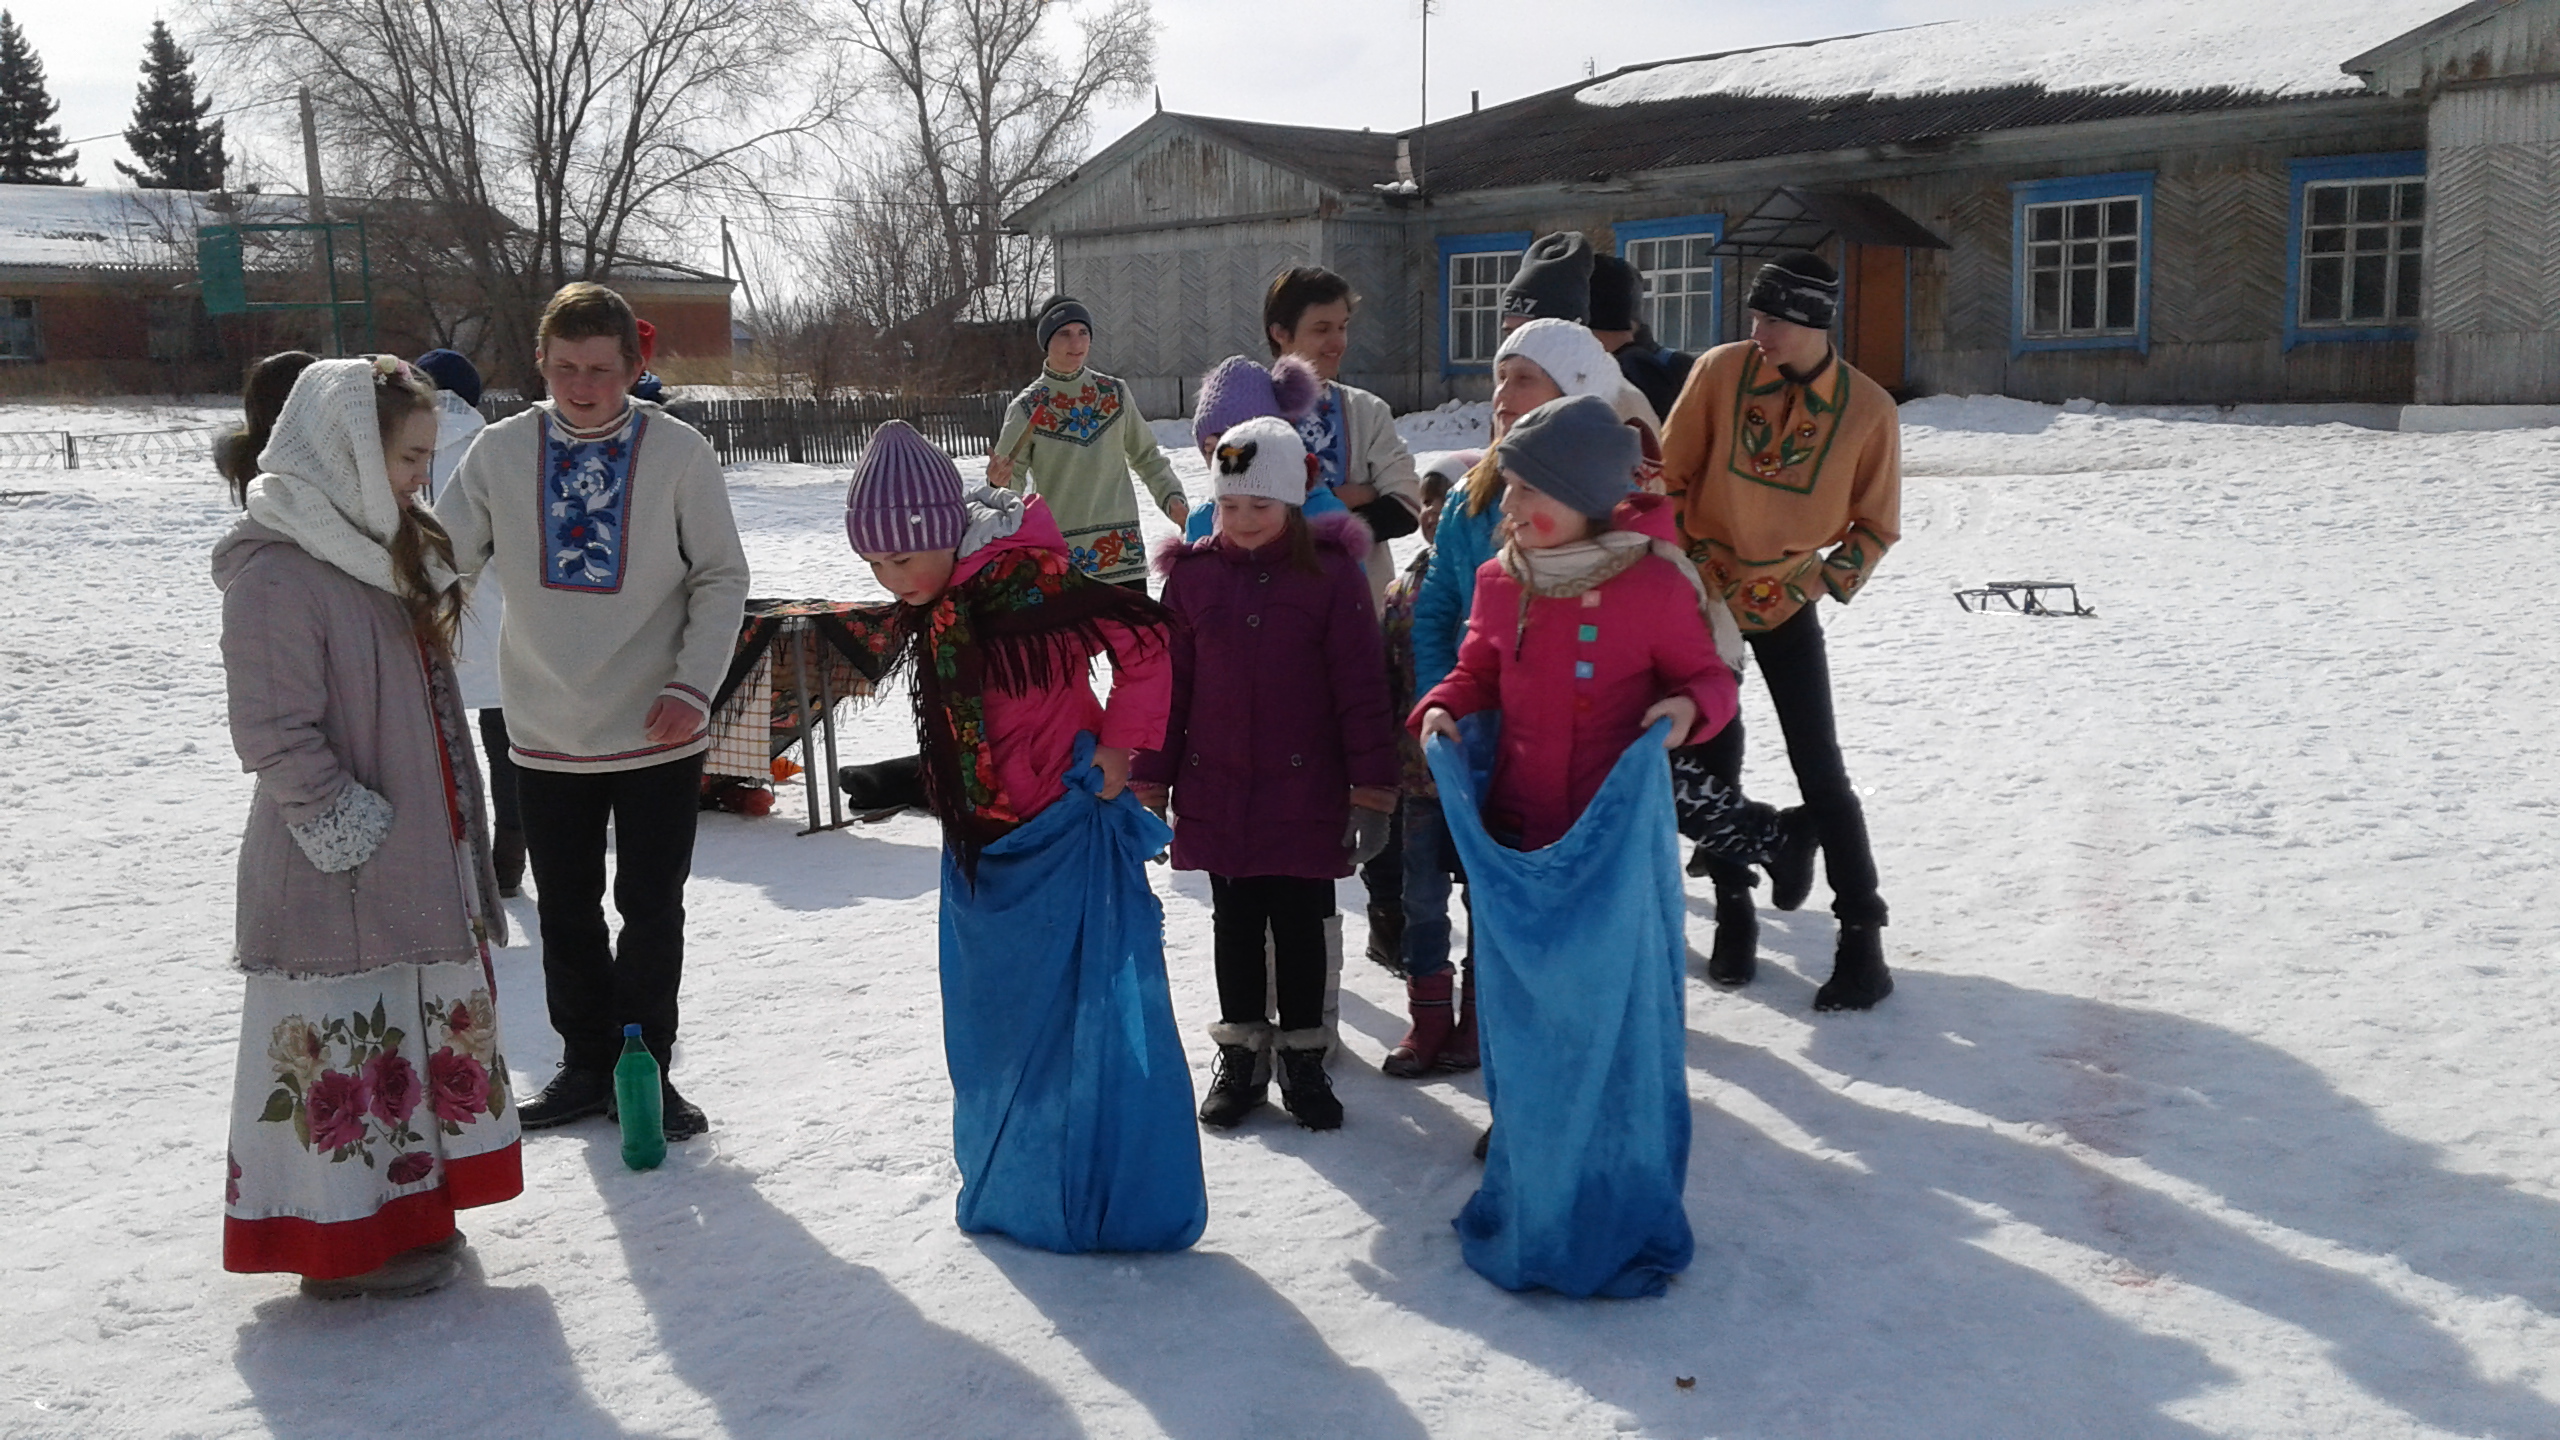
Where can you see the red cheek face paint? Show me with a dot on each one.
(1543, 524)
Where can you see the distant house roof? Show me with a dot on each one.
(94, 228)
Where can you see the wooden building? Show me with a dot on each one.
(100, 286)
(2359, 202)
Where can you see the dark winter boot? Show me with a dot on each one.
(1736, 956)
(573, 1094)
(1386, 938)
(1427, 1000)
(1235, 1090)
(1304, 1087)
(1858, 976)
(1459, 1052)
(1791, 863)
(877, 791)
(506, 855)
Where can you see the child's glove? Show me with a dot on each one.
(1366, 836)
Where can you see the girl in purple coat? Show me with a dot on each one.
(1279, 735)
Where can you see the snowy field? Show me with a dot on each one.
(2217, 1098)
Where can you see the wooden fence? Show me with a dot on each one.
(820, 432)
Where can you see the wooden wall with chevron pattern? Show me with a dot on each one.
(2493, 248)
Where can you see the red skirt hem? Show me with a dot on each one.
(336, 1250)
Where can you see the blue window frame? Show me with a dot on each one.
(1473, 270)
(2357, 236)
(1683, 281)
(2081, 258)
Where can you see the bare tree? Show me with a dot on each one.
(526, 143)
(986, 114)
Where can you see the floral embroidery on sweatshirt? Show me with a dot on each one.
(1105, 549)
(1078, 417)
(1777, 444)
(1322, 432)
(586, 504)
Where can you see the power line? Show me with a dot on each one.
(216, 115)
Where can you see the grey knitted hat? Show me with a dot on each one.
(1061, 312)
(1575, 449)
(1554, 282)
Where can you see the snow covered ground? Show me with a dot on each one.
(2217, 1098)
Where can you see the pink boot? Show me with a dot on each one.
(1458, 1052)
(1427, 1000)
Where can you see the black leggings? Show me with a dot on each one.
(1792, 663)
(1291, 911)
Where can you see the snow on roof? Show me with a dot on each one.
(83, 227)
(2088, 45)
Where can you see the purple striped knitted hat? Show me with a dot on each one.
(905, 496)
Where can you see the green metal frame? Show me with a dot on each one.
(221, 267)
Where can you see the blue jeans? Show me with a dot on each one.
(1430, 864)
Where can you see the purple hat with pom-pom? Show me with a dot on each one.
(905, 496)
(1240, 390)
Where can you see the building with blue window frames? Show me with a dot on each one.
(2381, 235)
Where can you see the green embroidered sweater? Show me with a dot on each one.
(1074, 441)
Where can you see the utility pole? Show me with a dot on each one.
(324, 251)
(1421, 134)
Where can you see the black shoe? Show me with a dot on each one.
(1858, 975)
(506, 856)
(573, 1094)
(887, 787)
(1233, 1092)
(682, 1119)
(1791, 867)
(1736, 956)
(1307, 1090)
(1386, 939)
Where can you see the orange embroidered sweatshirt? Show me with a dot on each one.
(1770, 475)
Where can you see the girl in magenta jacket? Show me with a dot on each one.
(1278, 732)
(1588, 625)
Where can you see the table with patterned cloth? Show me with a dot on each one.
(797, 663)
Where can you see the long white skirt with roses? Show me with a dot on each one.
(369, 1108)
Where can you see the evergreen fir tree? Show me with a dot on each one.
(31, 151)
(177, 149)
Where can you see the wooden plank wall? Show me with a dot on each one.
(2493, 248)
(1170, 304)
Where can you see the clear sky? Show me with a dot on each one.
(1309, 62)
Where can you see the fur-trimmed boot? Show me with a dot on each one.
(1427, 1001)
(1459, 1051)
(1237, 1083)
(1304, 1087)
(1736, 956)
(1858, 975)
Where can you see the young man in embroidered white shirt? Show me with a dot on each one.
(608, 524)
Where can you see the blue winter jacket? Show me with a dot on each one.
(1448, 595)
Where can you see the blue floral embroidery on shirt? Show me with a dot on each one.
(586, 502)
(1322, 432)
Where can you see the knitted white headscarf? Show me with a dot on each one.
(322, 480)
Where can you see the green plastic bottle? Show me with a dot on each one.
(639, 1100)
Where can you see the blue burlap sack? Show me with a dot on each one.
(1580, 961)
(1071, 1110)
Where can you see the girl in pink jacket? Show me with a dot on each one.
(1071, 1103)
(1588, 625)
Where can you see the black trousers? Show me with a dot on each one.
(505, 813)
(1792, 663)
(595, 986)
(1290, 910)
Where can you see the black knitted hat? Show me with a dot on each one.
(1617, 293)
(1798, 286)
(1554, 282)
